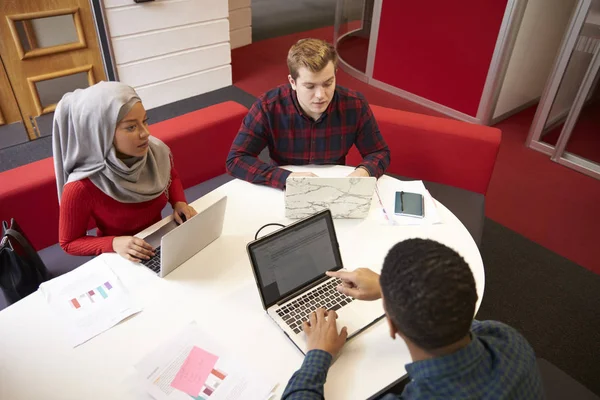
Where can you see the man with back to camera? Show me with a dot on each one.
(308, 121)
(429, 297)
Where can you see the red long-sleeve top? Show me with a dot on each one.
(82, 201)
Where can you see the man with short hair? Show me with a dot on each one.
(311, 120)
(429, 297)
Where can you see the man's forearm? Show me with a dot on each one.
(251, 169)
(307, 383)
(377, 162)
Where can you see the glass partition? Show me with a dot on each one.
(577, 67)
(352, 31)
(584, 140)
(566, 122)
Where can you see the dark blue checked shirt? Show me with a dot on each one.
(498, 364)
(277, 121)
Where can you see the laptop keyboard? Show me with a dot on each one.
(154, 262)
(325, 296)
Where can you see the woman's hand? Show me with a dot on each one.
(132, 248)
(185, 209)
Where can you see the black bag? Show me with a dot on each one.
(21, 268)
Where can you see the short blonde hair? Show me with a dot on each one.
(313, 54)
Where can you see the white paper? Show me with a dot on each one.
(158, 369)
(88, 300)
(388, 202)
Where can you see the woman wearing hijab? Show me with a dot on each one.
(109, 169)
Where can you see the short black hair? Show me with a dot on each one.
(429, 292)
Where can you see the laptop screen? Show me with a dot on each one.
(294, 257)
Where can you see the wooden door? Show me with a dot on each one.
(12, 130)
(48, 47)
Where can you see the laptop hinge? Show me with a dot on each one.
(302, 290)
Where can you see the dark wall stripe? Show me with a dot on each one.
(104, 40)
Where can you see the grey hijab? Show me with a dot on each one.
(82, 142)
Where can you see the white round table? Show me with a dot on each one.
(217, 289)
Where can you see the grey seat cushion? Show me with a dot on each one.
(58, 262)
(558, 385)
(468, 207)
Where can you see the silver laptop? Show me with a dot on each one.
(175, 244)
(346, 197)
(289, 266)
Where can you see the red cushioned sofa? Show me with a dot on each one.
(440, 150)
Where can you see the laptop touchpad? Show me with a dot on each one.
(350, 320)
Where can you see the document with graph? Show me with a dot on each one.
(191, 366)
(88, 300)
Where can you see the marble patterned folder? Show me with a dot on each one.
(346, 197)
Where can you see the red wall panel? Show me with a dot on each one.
(438, 49)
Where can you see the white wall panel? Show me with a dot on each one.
(155, 43)
(235, 4)
(170, 50)
(169, 91)
(240, 18)
(173, 65)
(241, 37)
(240, 23)
(151, 16)
(121, 3)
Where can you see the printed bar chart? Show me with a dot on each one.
(91, 296)
(214, 380)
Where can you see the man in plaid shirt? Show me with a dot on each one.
(308, 121)
(429, 295)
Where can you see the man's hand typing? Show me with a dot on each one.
(362, 284)
(322, 334)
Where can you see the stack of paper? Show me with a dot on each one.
(190, 366)
(88, 300)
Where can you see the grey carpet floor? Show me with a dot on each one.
(552, 301)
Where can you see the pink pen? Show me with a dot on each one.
(385, 214)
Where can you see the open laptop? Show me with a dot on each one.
(289, 266)
(346, 197)
(175, 244)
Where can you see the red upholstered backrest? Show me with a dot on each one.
(28, 194)
(435, 149)
(199, 141)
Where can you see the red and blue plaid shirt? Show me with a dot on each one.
(293, 138)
